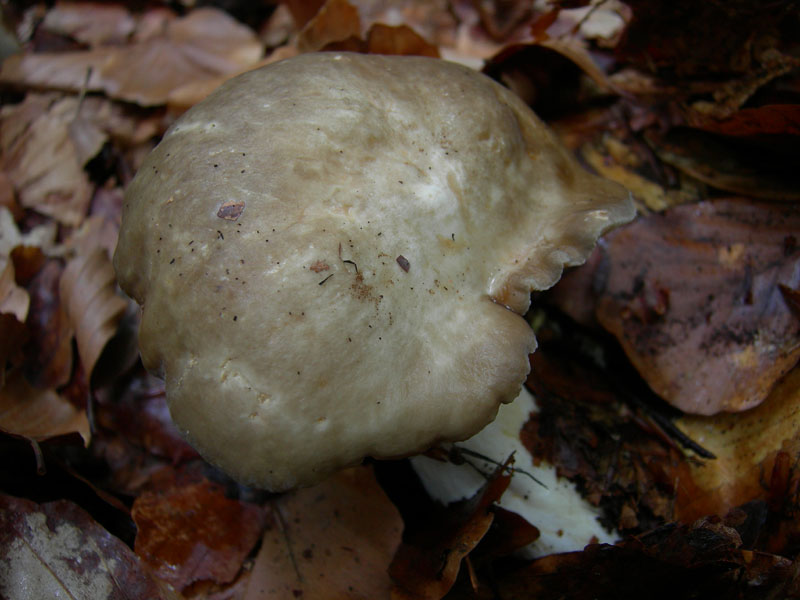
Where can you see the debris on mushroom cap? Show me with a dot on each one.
(281, 371)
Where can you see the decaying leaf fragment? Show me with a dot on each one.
(56, 550)
(188, 533)
(427, 563)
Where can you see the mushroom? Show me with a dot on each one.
(333, 255)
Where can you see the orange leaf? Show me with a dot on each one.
(336, 21)
(194, 533)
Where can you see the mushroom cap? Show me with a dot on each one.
(333, 254)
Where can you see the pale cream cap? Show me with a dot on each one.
(333, 254)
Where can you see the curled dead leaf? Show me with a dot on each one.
(93, 307)
(43, 160)
(38, 414)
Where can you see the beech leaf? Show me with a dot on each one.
(700, 313)
(43, 160)
(168, 53)
(56, 550)
(88, 290)
(333, 540)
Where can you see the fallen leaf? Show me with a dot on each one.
(746, 446)
(93, 307)
(594, 426)
(8, 198)
(336, 21)
(56, 550)
(616, 160)
(140, 414)
(700, 312)
(771, 119)
(167, 53)
(48, 351)
(426, 565)
(333, 540)
(42, 159)
(38, 414)
(90, 22)
(694, 39)
(190, 533)
(760, 170)
(187, 95)
(400, 40)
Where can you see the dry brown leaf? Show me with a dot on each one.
(745, 446)
(38, 414)
(167, 53)
(48, 352)
(93, 307)
(97, 231)
(400, 40)
(333, 540)
(90, 23)
(56, 550)
(700, 312)
(189, 533)
(43, 160)
(336, 21)
(187, 95)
